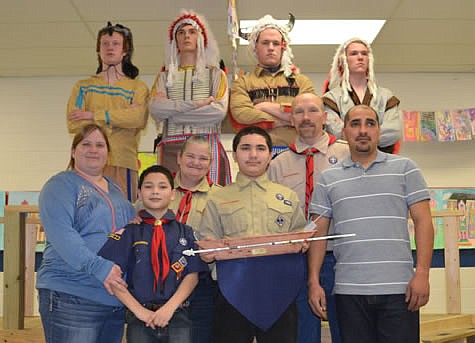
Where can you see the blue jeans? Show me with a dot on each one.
(178, 329)
(377, 319)
(67, 318)
(309, 325)
(202, 308)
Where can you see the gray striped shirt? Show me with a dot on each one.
(372, 203)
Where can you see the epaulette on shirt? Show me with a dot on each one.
(341, 141)
(279, 153)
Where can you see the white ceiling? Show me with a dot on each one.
(57, 37)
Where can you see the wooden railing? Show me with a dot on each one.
(451, 221)
(15, 268)
(18, 248)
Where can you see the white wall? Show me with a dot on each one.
(34, 143)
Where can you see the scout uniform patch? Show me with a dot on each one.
(332, 160)
(179, 266)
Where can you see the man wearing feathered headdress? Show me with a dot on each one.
(352, 82)
(264, 96)
(115, 100)
(190, 96)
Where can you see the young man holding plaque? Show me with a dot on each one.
(256, 295)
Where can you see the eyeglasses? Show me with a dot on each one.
(200, 158)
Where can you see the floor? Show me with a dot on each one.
(33, 332)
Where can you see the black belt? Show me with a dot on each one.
(155, 306)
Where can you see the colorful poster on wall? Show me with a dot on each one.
(411, 126)
(428, 127)
(445, 126)
(462, 199)
(471, 116)
(463, 128)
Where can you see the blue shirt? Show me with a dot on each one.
(131, 250)
(77, 219)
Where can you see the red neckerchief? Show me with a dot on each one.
(159, 247)
(184, 207)
(309, 167)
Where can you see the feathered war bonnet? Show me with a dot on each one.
(268, 22)
(340, 74)
(127, 67)
(207, 48)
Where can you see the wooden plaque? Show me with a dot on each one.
(243, 247)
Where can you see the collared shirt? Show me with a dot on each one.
(288, 168)
(373, 203)
(131, 249)
(198, 202)
(250, 207)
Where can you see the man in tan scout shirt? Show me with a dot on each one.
(299, 168)
(253, 205)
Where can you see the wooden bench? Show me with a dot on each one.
(452, 328)
(462, 335)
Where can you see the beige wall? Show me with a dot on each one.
(34, 143)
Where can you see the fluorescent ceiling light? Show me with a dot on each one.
(319, 32)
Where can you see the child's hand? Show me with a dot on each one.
(162, 316)
(145, 315)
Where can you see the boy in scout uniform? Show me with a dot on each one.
(160, 278)
(257, 295)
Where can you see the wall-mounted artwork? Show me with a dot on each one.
(462, 199)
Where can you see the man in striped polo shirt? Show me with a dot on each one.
(378, 293)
